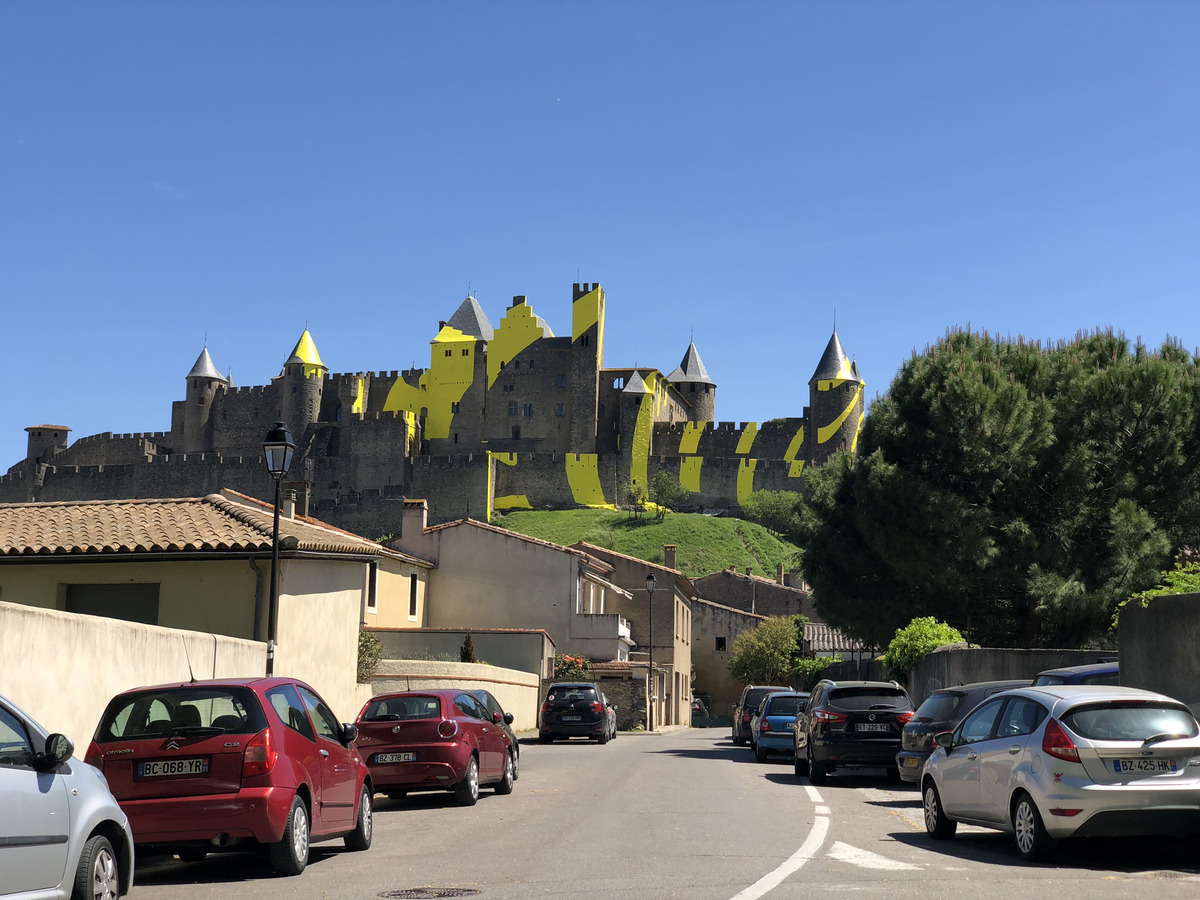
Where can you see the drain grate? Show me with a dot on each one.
(428, 893)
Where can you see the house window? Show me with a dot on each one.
(560, 380)
(512, 407)
(372, 586)
(720, 645)
(412, 596)
(528, 410)
(560, 409)
(130, 602)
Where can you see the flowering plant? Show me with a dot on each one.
(572, 666)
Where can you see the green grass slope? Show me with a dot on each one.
(706, 544)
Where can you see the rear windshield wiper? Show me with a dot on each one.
(196, 730)
(1165, 736)
(386, 717)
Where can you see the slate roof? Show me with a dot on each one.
(636, 384)
(212, 524)
(691, 369)
(834, 363)
(821, 638)
(205, 368)
(470, 319)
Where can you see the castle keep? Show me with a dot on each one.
(503, 418)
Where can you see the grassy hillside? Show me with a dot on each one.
(706, 544)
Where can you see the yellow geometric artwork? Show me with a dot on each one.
(746, 441)
(745, 479)
(689, 473)
(450, 373)
(583, 475)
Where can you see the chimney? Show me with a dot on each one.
(748, 570)
(669, 555)
(299, 491)
(416, 513)
(287, 505)
(779, 574)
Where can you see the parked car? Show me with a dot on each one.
(1044, 763)
(700, 714)
(504, 720)
(941, 711)
(62, 833)
(439, 740)
(211, 765)
(1093, 673)
(746, 708)
(576, 709)
(776, 720)
(850, 724)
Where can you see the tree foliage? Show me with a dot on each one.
(1014, 491)
(467, 651)
(776, 511)
(666, 493)
(914, 641)
(1183, 579)
(370, 651)
(764, 655)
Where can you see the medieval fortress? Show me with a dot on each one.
(504, 418)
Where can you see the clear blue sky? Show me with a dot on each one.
(170, 171)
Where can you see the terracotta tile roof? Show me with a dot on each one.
(214, 523)
(613, 665)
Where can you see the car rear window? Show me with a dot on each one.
(784, 706)
(181, 711)
(390, 709)
(854, 698)
(572, 693)
(940, 706)
(1130, 722)
(1102, 678)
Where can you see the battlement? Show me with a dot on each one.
(256, 391)
(581, 290)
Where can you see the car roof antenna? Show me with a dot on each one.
(188, 657)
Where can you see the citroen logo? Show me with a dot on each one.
(172, 745)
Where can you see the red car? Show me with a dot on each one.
(210, 765)
(441, 740)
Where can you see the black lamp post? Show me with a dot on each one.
(651, 584)
(278, 447)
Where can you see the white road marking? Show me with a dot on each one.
(813, 794)
(807, 851)
(822, 811)
(865, 859)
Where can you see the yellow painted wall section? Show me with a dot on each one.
(794, 447)
(746, 441)
(640, 449)
(517, 330)
(796, 469)
(857, 431)
(513, 501)
(690, 442)
(745, 485)
(825, 432)
(442, 384)
(586, 312)
(357, 406)
(689, 473)
(583, 474)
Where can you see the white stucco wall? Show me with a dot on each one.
(517, 692)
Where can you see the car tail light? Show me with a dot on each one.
(92, 757)
(1057, 743)
(828, 716)
(597, 707)
(764, 724)
(547, 706)
(905, 717)
(259, 757)
(447, 728)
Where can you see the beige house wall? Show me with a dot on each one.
(709, 622)
(392, 587)
(63, 668)
(517, 692)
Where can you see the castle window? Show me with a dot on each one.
(583, 341)
(456, 437)
(618, 384)
(529, 410)
(449, 352)
(560, 409)
(516, 364)
(502, 364)
(516, 432)
(508, 388)
(560, 380)
(454, 406)
(692, 386)
(706, 388)
(531, 362)
(512, 407)
(467, 352)
(200, 400)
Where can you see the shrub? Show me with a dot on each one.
(810, 671)
(764, 655)
(572, 667)
(467, 652)
(914, 641)
(370, 651)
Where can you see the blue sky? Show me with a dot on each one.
(737, 171)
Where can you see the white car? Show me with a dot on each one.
(1067, 761)
(62, 833)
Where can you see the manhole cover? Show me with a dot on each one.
(427, 893)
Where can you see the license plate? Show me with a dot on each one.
(161, 767)
(571, 718)
(789, 726)
(384, 758)
(872, 726)
(911, 762)
(1120, 766)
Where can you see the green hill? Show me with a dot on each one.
(706, 544)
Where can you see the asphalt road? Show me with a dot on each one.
(684, 814)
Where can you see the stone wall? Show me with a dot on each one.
(1158, 644)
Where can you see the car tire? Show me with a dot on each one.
(98, 873)
(936, 822)
(1033, 843)
(516, 763)
(817, 771)
(466, 792)
(759, 753)
(289, 855)
(505, 784)
(360, 837)
(603, 738)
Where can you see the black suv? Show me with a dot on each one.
(747, 709)
(576, 709)
(850, 723)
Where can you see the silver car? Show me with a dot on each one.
(1067, 761)
(62, 833)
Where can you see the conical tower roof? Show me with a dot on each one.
(834, 364)
(305, 352)
(636, 384)
(469, 318)
(691, 369)
(204, 367)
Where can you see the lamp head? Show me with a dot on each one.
(278, 447)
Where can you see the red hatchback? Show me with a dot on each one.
(210, 765)
(440, 740)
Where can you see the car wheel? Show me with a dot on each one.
(936, 822)
(360, 837)
(1033, 843)
(759, 753)
(516, 763)
(603, 737)
(98, 873)
(817, 771)
(289, 856)
(505, 784)
(466, 792)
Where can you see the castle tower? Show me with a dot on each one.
(302, 384)
(587, 358)
(836, 399)
(203, 384)
(45, 441)
(691, 379)
(636, 424)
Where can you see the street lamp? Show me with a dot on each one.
(651, 584)
(278, 448)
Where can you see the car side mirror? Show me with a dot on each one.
(508, 718)
(945, 740)
(349, 733)
(58, 750)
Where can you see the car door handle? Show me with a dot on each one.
(972, 755)
(324, 754)
(1014, 749)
